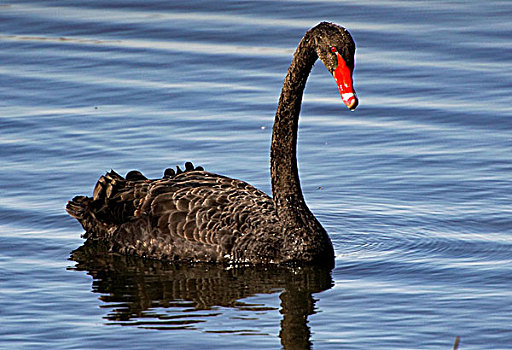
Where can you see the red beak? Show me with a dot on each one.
(343, 77)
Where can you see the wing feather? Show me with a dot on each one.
(202, 212)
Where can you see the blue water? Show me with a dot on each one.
(414, 187)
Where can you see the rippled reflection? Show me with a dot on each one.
(158, 295)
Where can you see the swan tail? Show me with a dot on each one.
(115, 201)
(82, 209)
(76, 206)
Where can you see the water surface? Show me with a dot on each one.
(414, 187)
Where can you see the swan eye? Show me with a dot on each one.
(333, 49)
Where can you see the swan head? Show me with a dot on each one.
(336, 49)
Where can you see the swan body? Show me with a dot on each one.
(194, 215)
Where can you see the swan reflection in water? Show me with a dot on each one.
(158, 295)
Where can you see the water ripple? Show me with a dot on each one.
(413, 187)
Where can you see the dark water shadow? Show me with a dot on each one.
(158, 295)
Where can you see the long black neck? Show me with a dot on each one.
(286, 188)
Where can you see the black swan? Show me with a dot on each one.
(193, 215)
